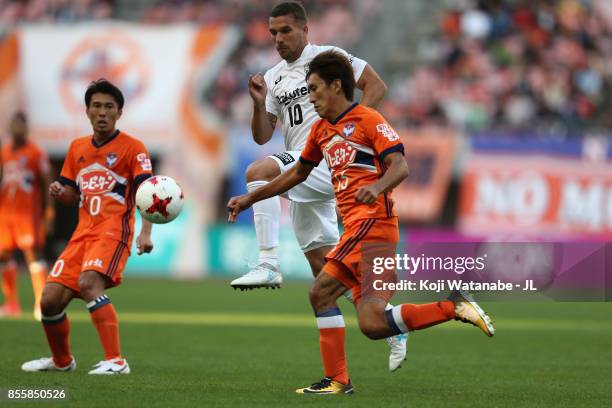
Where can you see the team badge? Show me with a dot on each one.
(348, 130)
(111, 159)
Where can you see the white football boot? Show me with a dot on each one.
(46, 364)
(110, 367)
(263, 275)
(398, 350)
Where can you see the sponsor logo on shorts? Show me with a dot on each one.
(96, 263)
(285, 158)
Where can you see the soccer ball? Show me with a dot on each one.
(159, 199)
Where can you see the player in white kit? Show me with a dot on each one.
(282, 93)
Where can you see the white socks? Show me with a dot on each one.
(266, 215)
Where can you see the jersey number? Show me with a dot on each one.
(341, 181)
(295, 115)
(95, 203)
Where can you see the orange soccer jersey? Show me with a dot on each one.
(21, 212)
(354, 147)
(105, 176)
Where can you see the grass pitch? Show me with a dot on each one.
(204, 344)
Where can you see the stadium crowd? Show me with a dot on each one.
(539, 64)
(13, 11)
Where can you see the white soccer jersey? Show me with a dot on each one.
(287, 96)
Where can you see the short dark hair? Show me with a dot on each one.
(291, 8)
(331, 65)
(105, 87)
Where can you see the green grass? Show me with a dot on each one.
(203, 344)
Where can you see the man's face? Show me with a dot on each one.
(290, 36)
(103, 112)
(322, 96)
(19, 130)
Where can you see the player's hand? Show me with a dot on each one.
(56, 189)
(258, 88)
(367, 194)
(144, 244)
(236, 205)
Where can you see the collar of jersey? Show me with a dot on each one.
(343, 114)
(290, 64)
(93, 141)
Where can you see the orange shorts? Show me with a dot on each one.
(21, 232)
(351, 260)
(105, 256)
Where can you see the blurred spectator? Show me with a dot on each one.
(14, 11)
(513, 64)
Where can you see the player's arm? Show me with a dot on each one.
(297, 174)
(144, 242)
(45, 184)
(373, 87)
(262, 122)
(397, 171)
(64, 192)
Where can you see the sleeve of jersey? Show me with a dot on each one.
(357, 63)
(68, 174)
(311, 154)
(271, 103)
(384, 138)
(141, 162)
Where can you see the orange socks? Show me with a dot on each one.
(57, 329)
(104, 318)
(9, 284)
(332, 339)
(415, 317)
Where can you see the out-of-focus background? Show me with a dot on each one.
(504, 106)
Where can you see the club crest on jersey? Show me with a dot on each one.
(348, 130)
(339, 154)
(111, 159)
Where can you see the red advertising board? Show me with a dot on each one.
(536, 195)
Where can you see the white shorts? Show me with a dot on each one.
(313, 205)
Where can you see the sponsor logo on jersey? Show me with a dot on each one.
(144, 161)
(285, 158)
(280, 78)
(97, 181)
(288, 97)
(387, 131)
(339, 154)
(111, 159)
(348, 130)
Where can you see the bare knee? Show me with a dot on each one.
(91, 285)
(51, 302)
(373, 330)
(265, 169)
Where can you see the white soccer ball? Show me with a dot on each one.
(159, 199)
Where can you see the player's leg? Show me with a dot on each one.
(8, 269)
(323, 295)
(55, 298)
(266, 214)
(38, 274)
(315, 225)
(376, 322)
(8, 272)
(104, 260)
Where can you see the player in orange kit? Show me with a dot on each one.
(102, 173)
(22, 221)
(365, 156)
